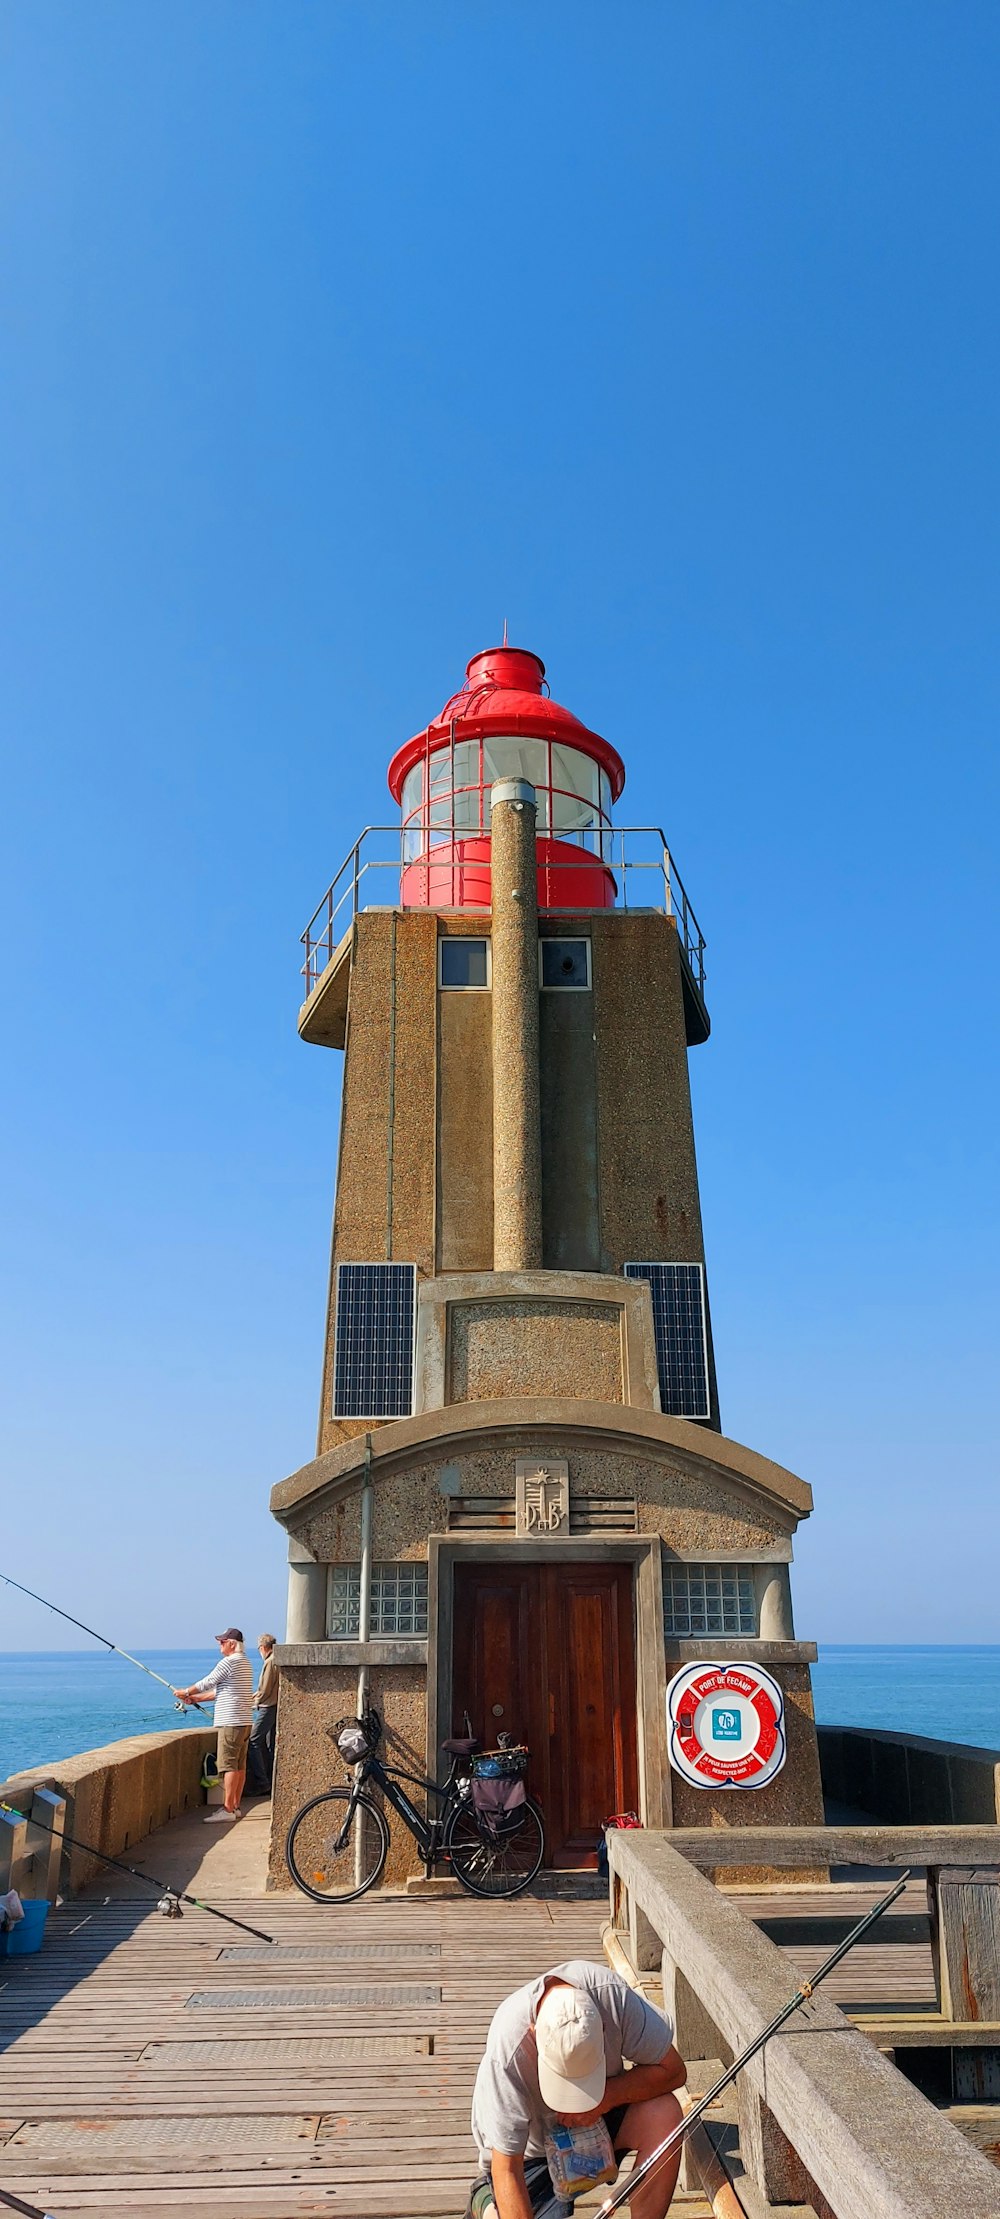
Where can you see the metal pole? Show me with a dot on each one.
(364, 1633)
(365, 1581)
(451, 774)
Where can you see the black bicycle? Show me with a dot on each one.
(487, 1828)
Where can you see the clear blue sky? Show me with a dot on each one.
(341, 332)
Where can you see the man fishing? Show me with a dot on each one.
(555, 2057)
(230, 1682)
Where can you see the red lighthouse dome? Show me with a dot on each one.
(501, 724)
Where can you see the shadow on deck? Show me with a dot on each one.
(226, 1860)
(77, 1944)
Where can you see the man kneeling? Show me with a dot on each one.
(554, 2057)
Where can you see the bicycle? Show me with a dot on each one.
(493, 1834)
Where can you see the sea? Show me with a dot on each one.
(58, 1703)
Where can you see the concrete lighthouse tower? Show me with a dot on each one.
(522, 1504)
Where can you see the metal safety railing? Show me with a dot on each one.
(436, 867)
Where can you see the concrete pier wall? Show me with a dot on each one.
(117, 1795)
(909, 1780)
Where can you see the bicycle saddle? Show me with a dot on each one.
(462, 1748)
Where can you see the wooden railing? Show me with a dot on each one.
(826, 2122)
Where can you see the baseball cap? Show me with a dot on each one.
(232, 1633)
(569, 2037)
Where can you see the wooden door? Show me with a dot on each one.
(546, 1652)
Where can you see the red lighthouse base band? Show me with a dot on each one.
(457, 876)
(726, 1725)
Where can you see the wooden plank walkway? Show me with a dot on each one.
(151, 2067)
(880, 1974)
(118, 2096)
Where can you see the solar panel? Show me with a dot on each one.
(678, 1292)
(373, 1341)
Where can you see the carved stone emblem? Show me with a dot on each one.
(542, 1496)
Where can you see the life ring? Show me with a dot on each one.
(727, 1725)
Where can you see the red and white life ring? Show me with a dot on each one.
(727, 1725)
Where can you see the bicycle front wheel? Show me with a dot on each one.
(495, 1864)
(333, 1852)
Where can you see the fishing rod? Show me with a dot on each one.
(666, 2148)
(172, 1897)
(13, 2203)
(101, 1637)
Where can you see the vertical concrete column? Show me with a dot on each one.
(306, 1620)
(517, 1143)
(774, 1590)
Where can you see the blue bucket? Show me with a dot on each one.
(26, 1937)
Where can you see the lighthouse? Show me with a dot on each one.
(522, 1504)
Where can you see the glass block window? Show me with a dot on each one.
(399, 1601)
(678, 1292)
(373, 1341)
(708, 1599)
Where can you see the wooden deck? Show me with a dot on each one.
(152, 2067)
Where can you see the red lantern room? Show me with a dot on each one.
(504, 724)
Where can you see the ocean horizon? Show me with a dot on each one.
(58, 1703)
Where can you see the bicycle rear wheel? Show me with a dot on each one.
(333, 1853)
(495, 1864)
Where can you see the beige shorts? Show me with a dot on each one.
(234, 1741)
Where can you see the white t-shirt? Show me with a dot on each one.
(507, 2109)
(231, 1681)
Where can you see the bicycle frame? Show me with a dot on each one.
(428, 1833)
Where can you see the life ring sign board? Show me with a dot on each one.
(727, 1725)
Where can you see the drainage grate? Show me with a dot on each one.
(288, 2049)
(307, 1999)
(308, 1953)
(98, 2138)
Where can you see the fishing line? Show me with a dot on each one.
(172, 1897)
(691, 2118)
(101, 1637)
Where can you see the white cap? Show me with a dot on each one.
(569, 2035)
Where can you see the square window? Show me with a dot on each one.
(565, 964)
(463, 962)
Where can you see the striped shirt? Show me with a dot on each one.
(231, 1682)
